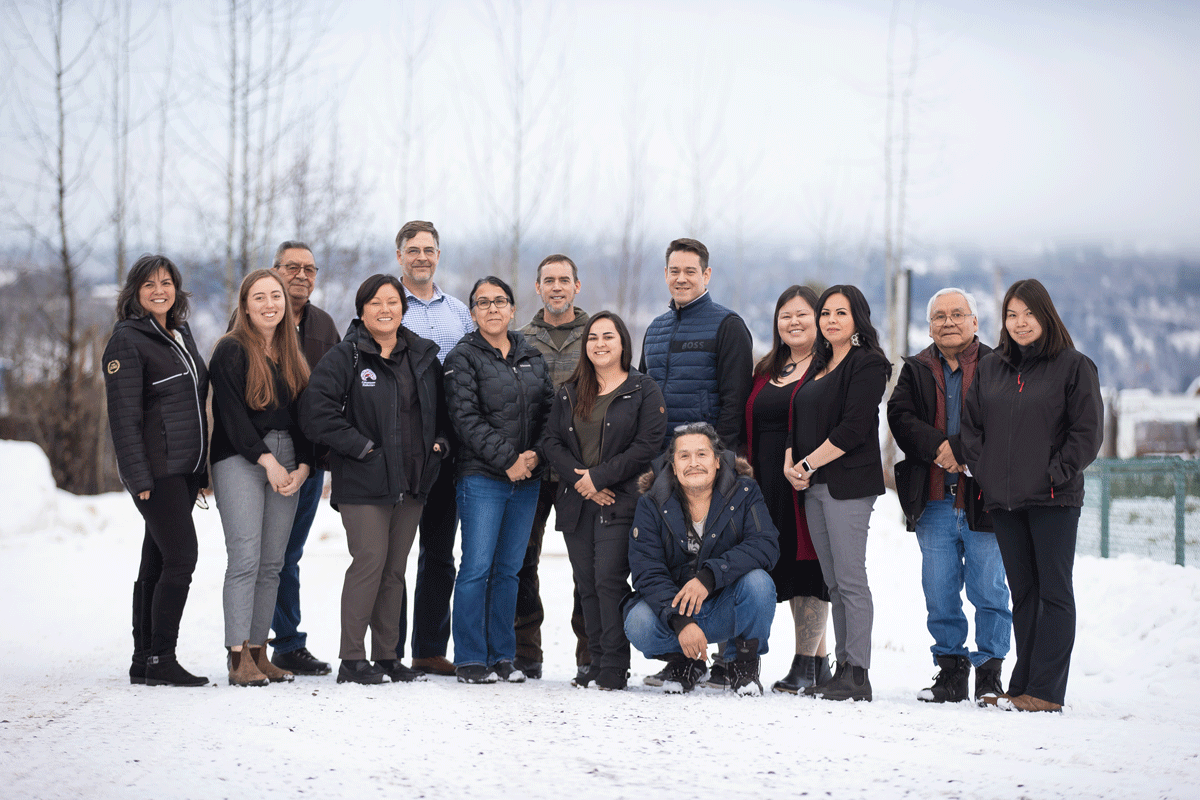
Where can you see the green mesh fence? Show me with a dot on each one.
(1146, 506)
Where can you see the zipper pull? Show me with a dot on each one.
(1020, 384)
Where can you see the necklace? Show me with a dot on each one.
(790, 367)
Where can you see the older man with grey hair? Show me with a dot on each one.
(957, 544)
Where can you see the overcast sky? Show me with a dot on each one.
(1032, 121)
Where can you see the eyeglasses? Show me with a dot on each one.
(291, 268)
(957, 318)
(483, 303)
(413, 252)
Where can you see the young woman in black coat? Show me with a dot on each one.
(157, 385)
(835, 459)
(606, 425)
(1033, 421)
(376, 401)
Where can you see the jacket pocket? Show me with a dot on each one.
(363, 479)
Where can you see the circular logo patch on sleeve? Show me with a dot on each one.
(113, 366)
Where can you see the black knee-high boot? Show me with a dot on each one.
(143, 595)
(161, 667)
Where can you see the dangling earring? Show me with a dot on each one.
(854, 340)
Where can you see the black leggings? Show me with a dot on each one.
(169, 548)
(168, 560)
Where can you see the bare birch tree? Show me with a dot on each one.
(61, 55)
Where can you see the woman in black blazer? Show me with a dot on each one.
(835, 460)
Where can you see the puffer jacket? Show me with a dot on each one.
(701, 357)
(156, 398)
(498, 406)
(634, 425)
(739, 536)
(350, 406)
(1030, 427)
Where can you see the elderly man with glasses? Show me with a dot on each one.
(941, 505)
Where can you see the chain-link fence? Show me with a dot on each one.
(1146, 506)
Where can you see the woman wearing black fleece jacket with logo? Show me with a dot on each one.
(1033, 422)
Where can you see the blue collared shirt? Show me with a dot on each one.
(444, 319)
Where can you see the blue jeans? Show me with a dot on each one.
(496, 517)
(286, 621)
(953, 555)
(744, 610)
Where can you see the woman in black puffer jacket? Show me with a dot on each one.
(1033, 421)
(376, 401)
(498, 391)
(157, 385)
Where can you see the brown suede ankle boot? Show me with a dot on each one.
(274, 674)
(242, 671)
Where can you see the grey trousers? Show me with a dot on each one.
(379, 538)
(257, 522)
(839, 535)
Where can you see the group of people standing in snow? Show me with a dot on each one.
(718, 485)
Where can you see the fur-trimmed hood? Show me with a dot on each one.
(657, 478)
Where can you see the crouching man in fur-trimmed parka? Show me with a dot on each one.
(701, 543)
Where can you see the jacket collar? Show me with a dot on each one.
(519, 346)
(418, 347)
(539, 320)
(703, 301)
(931, 357)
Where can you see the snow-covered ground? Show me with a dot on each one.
(71, 725)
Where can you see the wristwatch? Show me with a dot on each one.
(807, 468)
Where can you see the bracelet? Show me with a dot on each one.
(804, 463)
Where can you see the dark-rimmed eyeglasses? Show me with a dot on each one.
(292, 268)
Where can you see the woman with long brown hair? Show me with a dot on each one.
(606, 425)
(259, 460)
(797, 573)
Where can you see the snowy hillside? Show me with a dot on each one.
(71, 725)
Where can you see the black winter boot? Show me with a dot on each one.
(822, 668)
(950, 684)
(166, 609)
(143, 592)
(682, 674)
(824, 675)
(799, 676)
(742, 672)
(987, 680)
(164, 670)
(849, 683)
